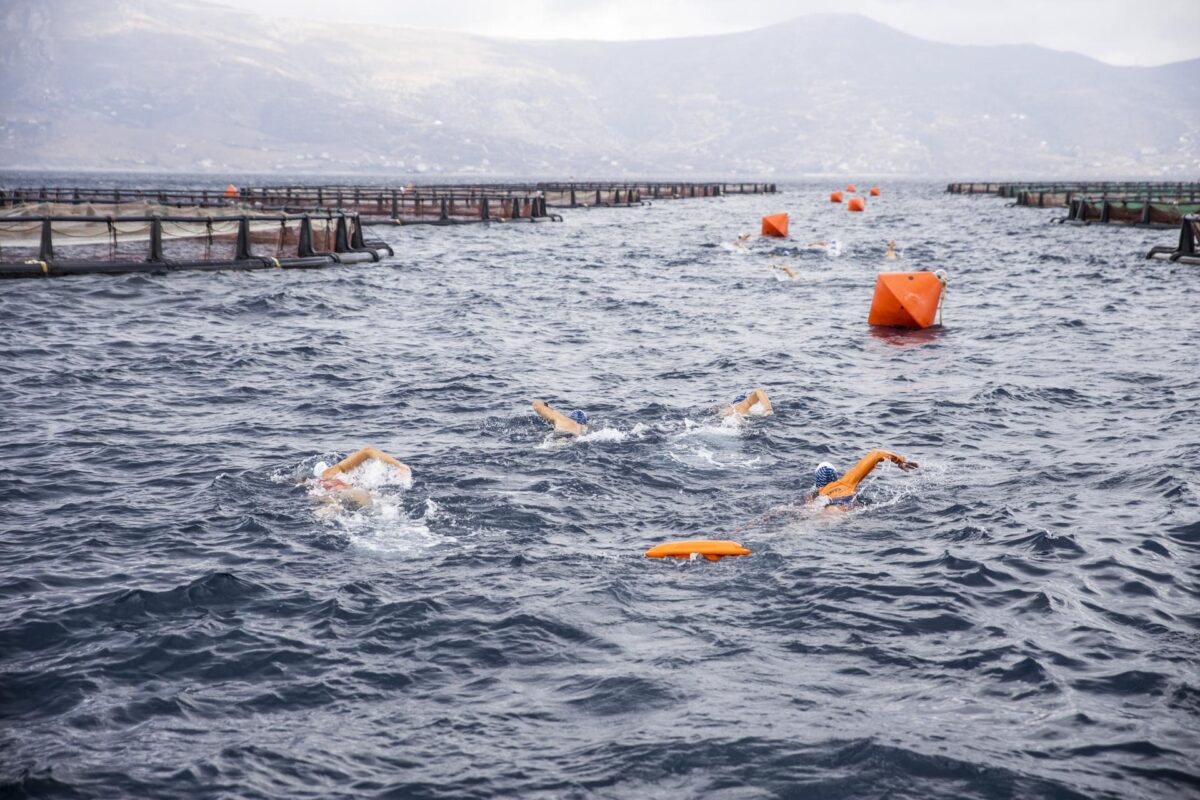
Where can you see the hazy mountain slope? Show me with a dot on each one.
(179, 84)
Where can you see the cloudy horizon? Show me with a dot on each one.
(1112, 31)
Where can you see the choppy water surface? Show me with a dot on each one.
(1018, 618)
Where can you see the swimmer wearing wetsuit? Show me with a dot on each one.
(742, 404)
(840, 493)
(332, 489)
(574, 424)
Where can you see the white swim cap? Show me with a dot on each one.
(319, 468)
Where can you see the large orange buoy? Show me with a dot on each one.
(231, 191)
(835, 197)
(856, 204)
(775, 225)
(905, 299)
(712, 549)
(852, 188)
(874, 191)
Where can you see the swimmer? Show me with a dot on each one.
(334, 490)
(743, 240)
(742, 404)
(891, 251)
(840, 493)
(574, 424)
(788, 270)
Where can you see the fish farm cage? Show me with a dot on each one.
(1060, 193)
(1157, 211)
(374, 206)
(60, 244)
(431, 204)
(1186, 251)
(1129, 203)
(73, 230)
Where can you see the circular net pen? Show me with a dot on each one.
(53, 245)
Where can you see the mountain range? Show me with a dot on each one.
(185, 85)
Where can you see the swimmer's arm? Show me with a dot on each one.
(863, 468)
(355, 459)
(759, 395)
(559, 420)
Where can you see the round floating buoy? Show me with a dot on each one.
(775, 225)
(835, 197)
(874, 191)
(852, 188)
(905, 299)
(231, 191)
(856, 204)
(712, 549)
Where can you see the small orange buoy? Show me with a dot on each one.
(856, 204)
(835, 197)
(712, 549)
(874, 191)
(905, 299)
(231, 191)
(852, 188)
(775, 225)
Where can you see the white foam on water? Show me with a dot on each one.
(605, 435)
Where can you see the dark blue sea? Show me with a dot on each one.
(1018, 618)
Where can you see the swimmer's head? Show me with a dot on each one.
(825, 474)
(319, 468)
(739, 398)
(579, 417)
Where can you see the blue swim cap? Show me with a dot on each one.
(579, 417)
(739, 398)
(825, 474)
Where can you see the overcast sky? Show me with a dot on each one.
(1142, 32)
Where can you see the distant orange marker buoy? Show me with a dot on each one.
(231, 191)
(852, 188)
(713, 550)
(775, 225)
(856, 204)
(874, 191)
(835, 197)
(905, 299)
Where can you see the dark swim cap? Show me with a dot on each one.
(825, 474)
(739, 398)
(579, 417)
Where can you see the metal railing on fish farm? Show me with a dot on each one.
(1186, 251)
(77, 244)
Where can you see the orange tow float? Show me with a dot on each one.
(712, 549)
(775, 225)
(906, 299)
(856, 204)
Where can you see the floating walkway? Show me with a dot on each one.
(38, 246)
(1187, 250)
